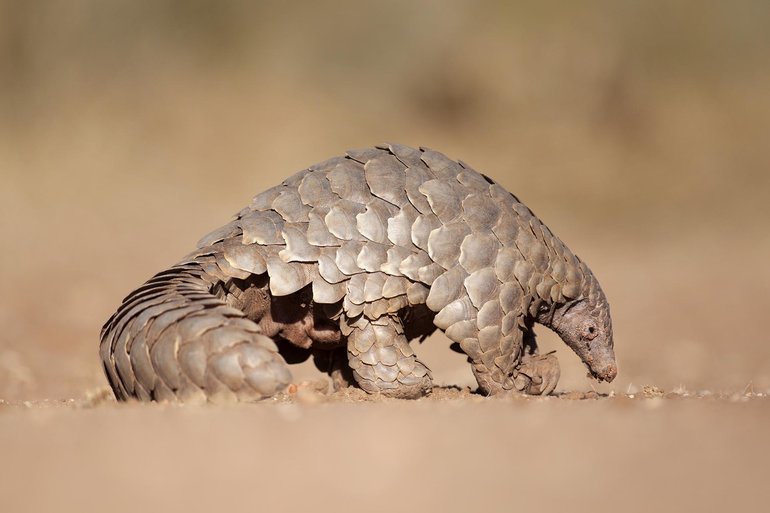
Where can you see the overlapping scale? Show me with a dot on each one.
(447, 288)
(326, 292)
(318, 233)
(444, 243)
(372, 256)
(327, 267)
(386, 179)
(481, 286)
(399, 226)
(286, 278)
(395, 256)
(428, 273)
(394, 287)
(410, 157)
(416, 175)
(373, 223)
(480, 212)
(347, 180)
(315, 189)
(411, 265)
(459, 310)
(444, 199)
(262, 227)
(440, 165)
(246, 257)
(472, 180)
(298, 249)
(341, 220)
(511, 296)
(264, 200)
(373, 287)
(422, 228)
(231, 229)
(363, 155)
(289, 206)
(478, 251)
(347, 257)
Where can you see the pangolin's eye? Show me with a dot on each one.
(590, 332)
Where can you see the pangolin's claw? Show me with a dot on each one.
(538, 374)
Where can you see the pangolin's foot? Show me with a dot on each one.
(537, 374)
(413, 378)
(383, 362)
(335, 364)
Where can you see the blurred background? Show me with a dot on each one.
(637, 130)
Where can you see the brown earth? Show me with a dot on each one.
(636, 130)
(452, 452)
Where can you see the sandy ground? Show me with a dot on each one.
(637, 131)
(452, 452)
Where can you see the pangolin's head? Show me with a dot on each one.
(584, 324)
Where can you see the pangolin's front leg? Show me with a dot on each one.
(512, 364)
(383, 361)
(493, 359)
(536, 374)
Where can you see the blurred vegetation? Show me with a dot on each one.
(615, 97)
(129, 128)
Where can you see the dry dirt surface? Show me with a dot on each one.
(454, 451)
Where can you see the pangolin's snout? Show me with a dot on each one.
(606, 373)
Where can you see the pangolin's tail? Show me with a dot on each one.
(176, 338)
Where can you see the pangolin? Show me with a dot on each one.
(347, 261)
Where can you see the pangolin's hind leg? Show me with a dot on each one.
(334, 362)
(382, 359)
